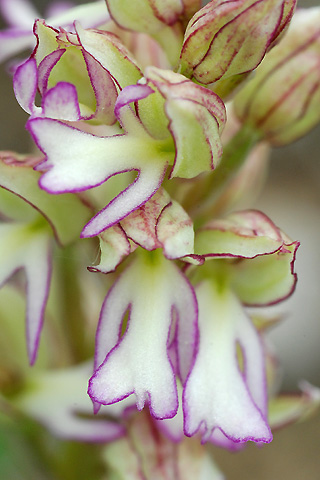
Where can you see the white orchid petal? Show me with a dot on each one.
(61, 101)
(148, 181)
(58, 399)
(25, 84)
(20, 249)
(138, 362)
(217, 394)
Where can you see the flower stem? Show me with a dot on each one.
(200, 201)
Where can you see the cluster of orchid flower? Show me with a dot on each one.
(153, 121)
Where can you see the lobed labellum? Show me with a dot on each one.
(218, 394)
(138, 362)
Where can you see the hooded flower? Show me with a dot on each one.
(225, 393)
(172, 122)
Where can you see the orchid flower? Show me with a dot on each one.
(26, 238)
(175, 122)
(159, 223)
(226, 387)
(162, 316)
(63, 393)
(21, 14)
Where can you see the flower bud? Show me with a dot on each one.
(282, 101)
(164, 20)
(151, 15)
(229, 38)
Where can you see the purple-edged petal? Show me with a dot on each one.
(61, 101)
(25, 84)
(114, 246)
(58, 400)
(244, 234)
(69, 169)
(140, 225)
(21, 248)
(148, 181)
(104, 89)
(267, 279)
(45, 66)
(175, 231)
(138, 362)
(18, 177)
(161, 223)
(218, 394)
(122, 109)
(196, 120)
(113, 56)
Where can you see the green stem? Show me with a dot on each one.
(72, 314)
(202, 197)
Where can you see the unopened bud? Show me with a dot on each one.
(229, 38)
(282, 101)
